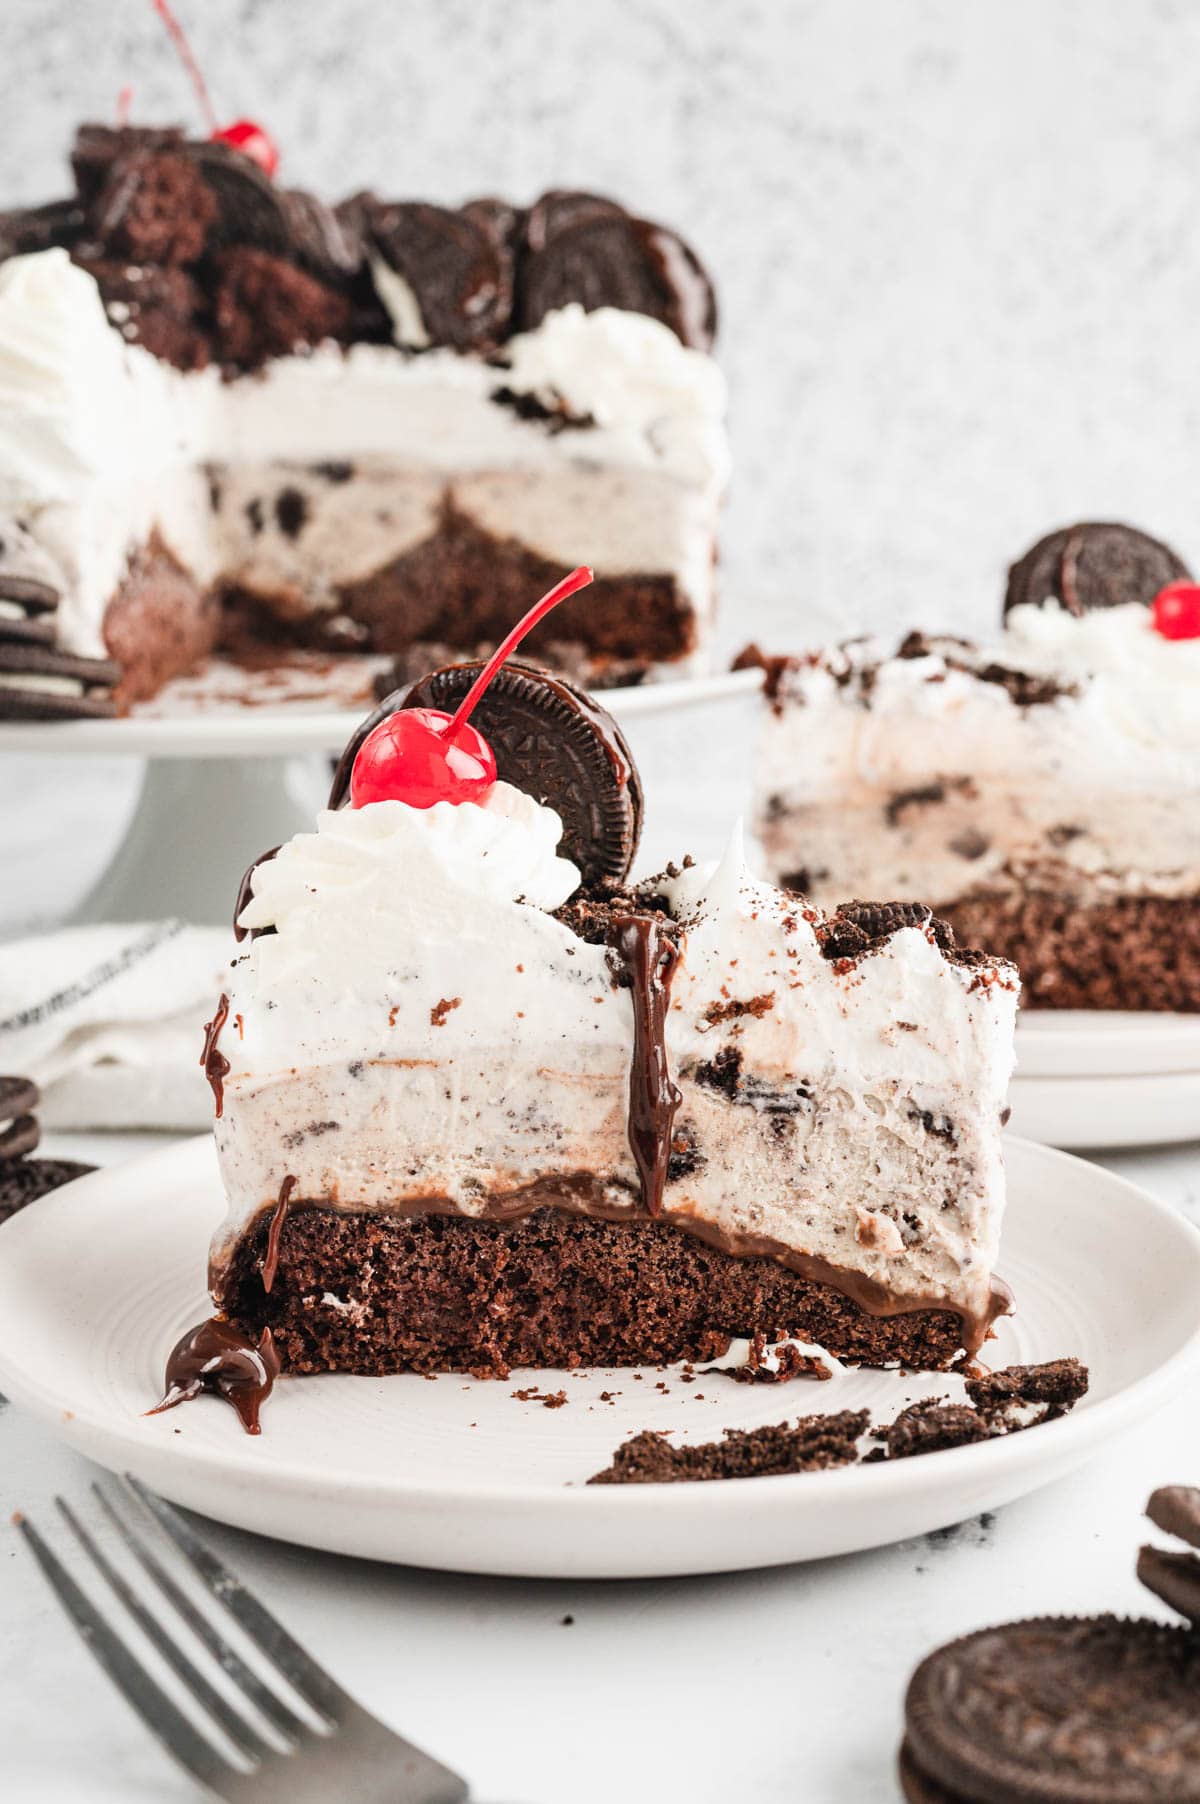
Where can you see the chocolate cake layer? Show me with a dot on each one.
(1130, 952)
(376, 1293)
(159, 624)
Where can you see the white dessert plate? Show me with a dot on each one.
(99, 1279)
(311, 704)
(1106, 1078)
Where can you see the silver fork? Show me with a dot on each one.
(340, 1751)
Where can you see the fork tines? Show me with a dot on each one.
(247, 1733)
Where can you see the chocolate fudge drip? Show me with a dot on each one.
(216, 1065)
(245, 892)
(214, 1356)
(270, 1264)
(648, 960)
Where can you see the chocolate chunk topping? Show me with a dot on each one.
(550, 740)
(458, 266)
(1095, 564)
(97, 148)
(813, 1444)
(603, 257)
(1060, 1709)
(1176, 1510)
(154, 207)
(249, 207)
(858, 927)
(266, 307)
(25, 1180)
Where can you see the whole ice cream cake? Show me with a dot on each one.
(1042, 792)
(483, 1103)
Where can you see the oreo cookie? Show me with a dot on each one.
(39, 683)
(589, 250)
(25, 1180)
(19, 1132)
(1093, 565)
(1174, 1577)
(1056, 1709)
(551, 740)
(458, 265)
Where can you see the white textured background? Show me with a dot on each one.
(957, 245)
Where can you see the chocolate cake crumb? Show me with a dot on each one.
(933, 1425)
(734, 1010)
(790, 1363)
(813, 1444)
(1057, 1385)
(439, 1011)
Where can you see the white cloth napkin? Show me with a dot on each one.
(109, 1022)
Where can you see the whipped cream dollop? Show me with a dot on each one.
(413, 864)
(614, 366)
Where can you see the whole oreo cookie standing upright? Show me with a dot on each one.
(1058, 1710)
(581, 247)
(551, 740)
(1096, 564)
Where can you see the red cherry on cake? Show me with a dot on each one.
(409, 758)
(1175, 611)
(243, 134)
(252, 141)
(422, 756)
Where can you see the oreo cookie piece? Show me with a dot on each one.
(18, 1096)
(1095, 564)
(39, 683)
(1174, 1577)
(18, 1137)
(97, 148)
(24, 1181)
(551, 740)
(607, 258)
(28, 229)
(28, 593)
(457, 267)
(561, 208)
(1057, 1709)
(249, 208)
(19, 1132)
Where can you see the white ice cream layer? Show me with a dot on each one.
(928, 780)
(417, 1028)
(101, 443)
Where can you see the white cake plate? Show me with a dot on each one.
(99, 1279)
(237, 761)
(1101, 1078)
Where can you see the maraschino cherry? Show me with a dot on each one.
(422, 756)
(243, 134)
(1175, 611)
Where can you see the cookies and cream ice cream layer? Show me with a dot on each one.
(596, 437)
(413, 1027)
(1069, 748)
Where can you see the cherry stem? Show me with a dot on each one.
(578, 579)
(184, 51)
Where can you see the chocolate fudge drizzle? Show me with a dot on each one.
(216, 1357)
(270, 1262)
(648, 959)
(216, 1065)
(245, 892)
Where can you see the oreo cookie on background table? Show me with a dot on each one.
(1095, 564)
(22, 1179)
(1174, 1578)
(551, 740)
(19, 1132)
(1056, 1710)
(27, 609)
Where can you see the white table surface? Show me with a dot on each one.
(771, 1687)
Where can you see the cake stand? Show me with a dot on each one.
(237, 761)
